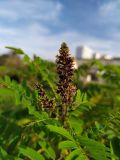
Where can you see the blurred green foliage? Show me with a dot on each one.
(27, 133)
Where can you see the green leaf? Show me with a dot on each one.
(78, 98)
(67, 145)
(73, 155)
(96, 150)
(61, 131)
(84, 97)
(7, 80)
(3, 153)
(26, 58)
(30, 153)
(16, 158)
(81, 157)
(77, 154)
(16, 50)
(76, 124)
(48, 149)
(38, 115)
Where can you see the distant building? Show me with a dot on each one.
(84, 52)
(96, 55)
(84, 55)
(106, 56)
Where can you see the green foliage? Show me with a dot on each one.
(30, 153)
(94, 149)
(60, 131)
(30, 132)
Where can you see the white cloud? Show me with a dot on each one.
(7, 31)
(41, 41)
(26, 28)
(36, 37)
(32, 9)
(110, 12)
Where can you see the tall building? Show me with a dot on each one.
(83, 52)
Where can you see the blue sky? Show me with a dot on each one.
(39, 26)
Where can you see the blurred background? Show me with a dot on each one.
(33, 31)
(40, 26)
